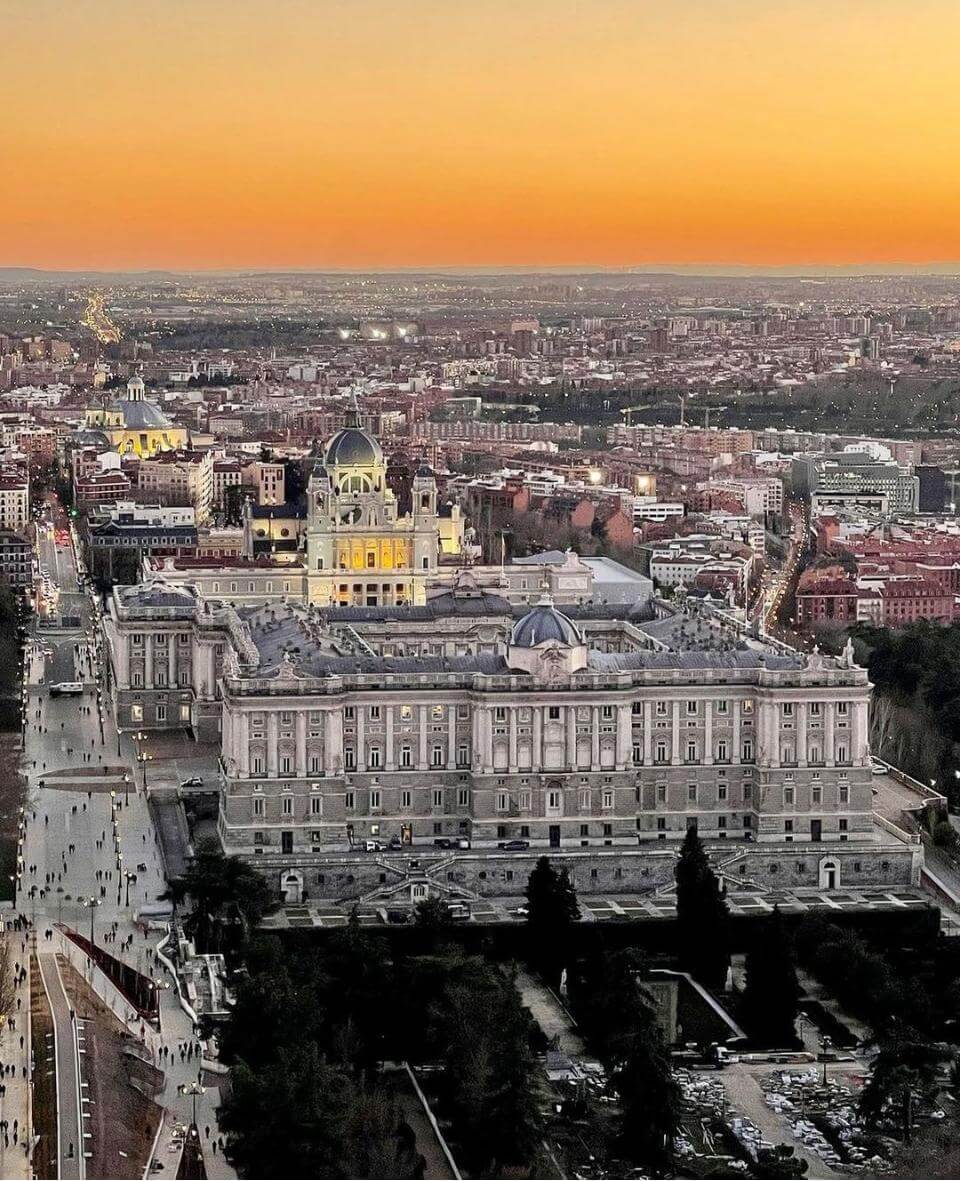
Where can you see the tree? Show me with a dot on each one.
(551, 911)
(377, 1143)
(701, 916)
(618, 1018)
(433, 914)
(227, 899)
(489, 1069)
(772, 992)
(233, 498)
(295, 477)
(905, 1070)
(650, 1098)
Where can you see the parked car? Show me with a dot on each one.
(193, 781)
(513, 846)
(462, 843)
(374, 846)
(444, 843)
(395, 844)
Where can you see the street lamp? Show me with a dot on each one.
(129, 877)
(126, 788)
(825, 1044)
(193, 1090)
(91, 902)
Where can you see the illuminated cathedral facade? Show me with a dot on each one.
(359, 550)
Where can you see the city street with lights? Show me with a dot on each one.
(89, 857)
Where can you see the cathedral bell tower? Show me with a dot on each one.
(359, 551)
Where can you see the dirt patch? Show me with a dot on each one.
(123, 1116)
(44, 1078)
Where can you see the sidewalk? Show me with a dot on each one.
(81, 844)
(16, 1103)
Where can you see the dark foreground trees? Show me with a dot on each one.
(702, 934)
(772, 994)
(905, 1073)
(225, 899)
(309, 1034)
(618, 1019)
(551, 912)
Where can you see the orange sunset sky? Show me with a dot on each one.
(362, 133)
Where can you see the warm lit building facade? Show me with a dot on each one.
(134, 426)
(359, 550)
(327, 744)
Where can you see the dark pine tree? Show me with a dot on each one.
(551, 911)
(701, 916)
(772, 992)
(650, 1098)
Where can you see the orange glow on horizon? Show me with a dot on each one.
(361, 133)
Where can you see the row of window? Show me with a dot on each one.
(160, 678)
(182, 713)
(721, 752)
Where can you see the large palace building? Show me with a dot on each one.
(505, 729)
(361, 724)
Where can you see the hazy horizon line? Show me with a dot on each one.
(691, 270)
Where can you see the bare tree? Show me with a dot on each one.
(8, 987)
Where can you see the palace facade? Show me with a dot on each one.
(327, 743)
(354, 712)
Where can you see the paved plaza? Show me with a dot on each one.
(91, 857)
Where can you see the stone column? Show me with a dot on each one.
(536, 744)
(675, 735)
(772, 727)
(571, 736)
(272, 726)
(624, 737)
(800, 709)
(451, 736)
(595, 738)
(333, 742)
(148, 660)
(390, 757)
(242, 741)
(122, 650)
(422, 747)
(301, 731)
(512, 755)
(476, 737)
(648, 732)
(829, 741)
(737, 706)
(359, 712)
(708, 732)
(861, 733)
(486, 740)
(172, 660)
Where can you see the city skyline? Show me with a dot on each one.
(375, 138)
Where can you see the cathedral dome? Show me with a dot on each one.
(352, 447)
(544, 622)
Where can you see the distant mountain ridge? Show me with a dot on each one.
(13, 274)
